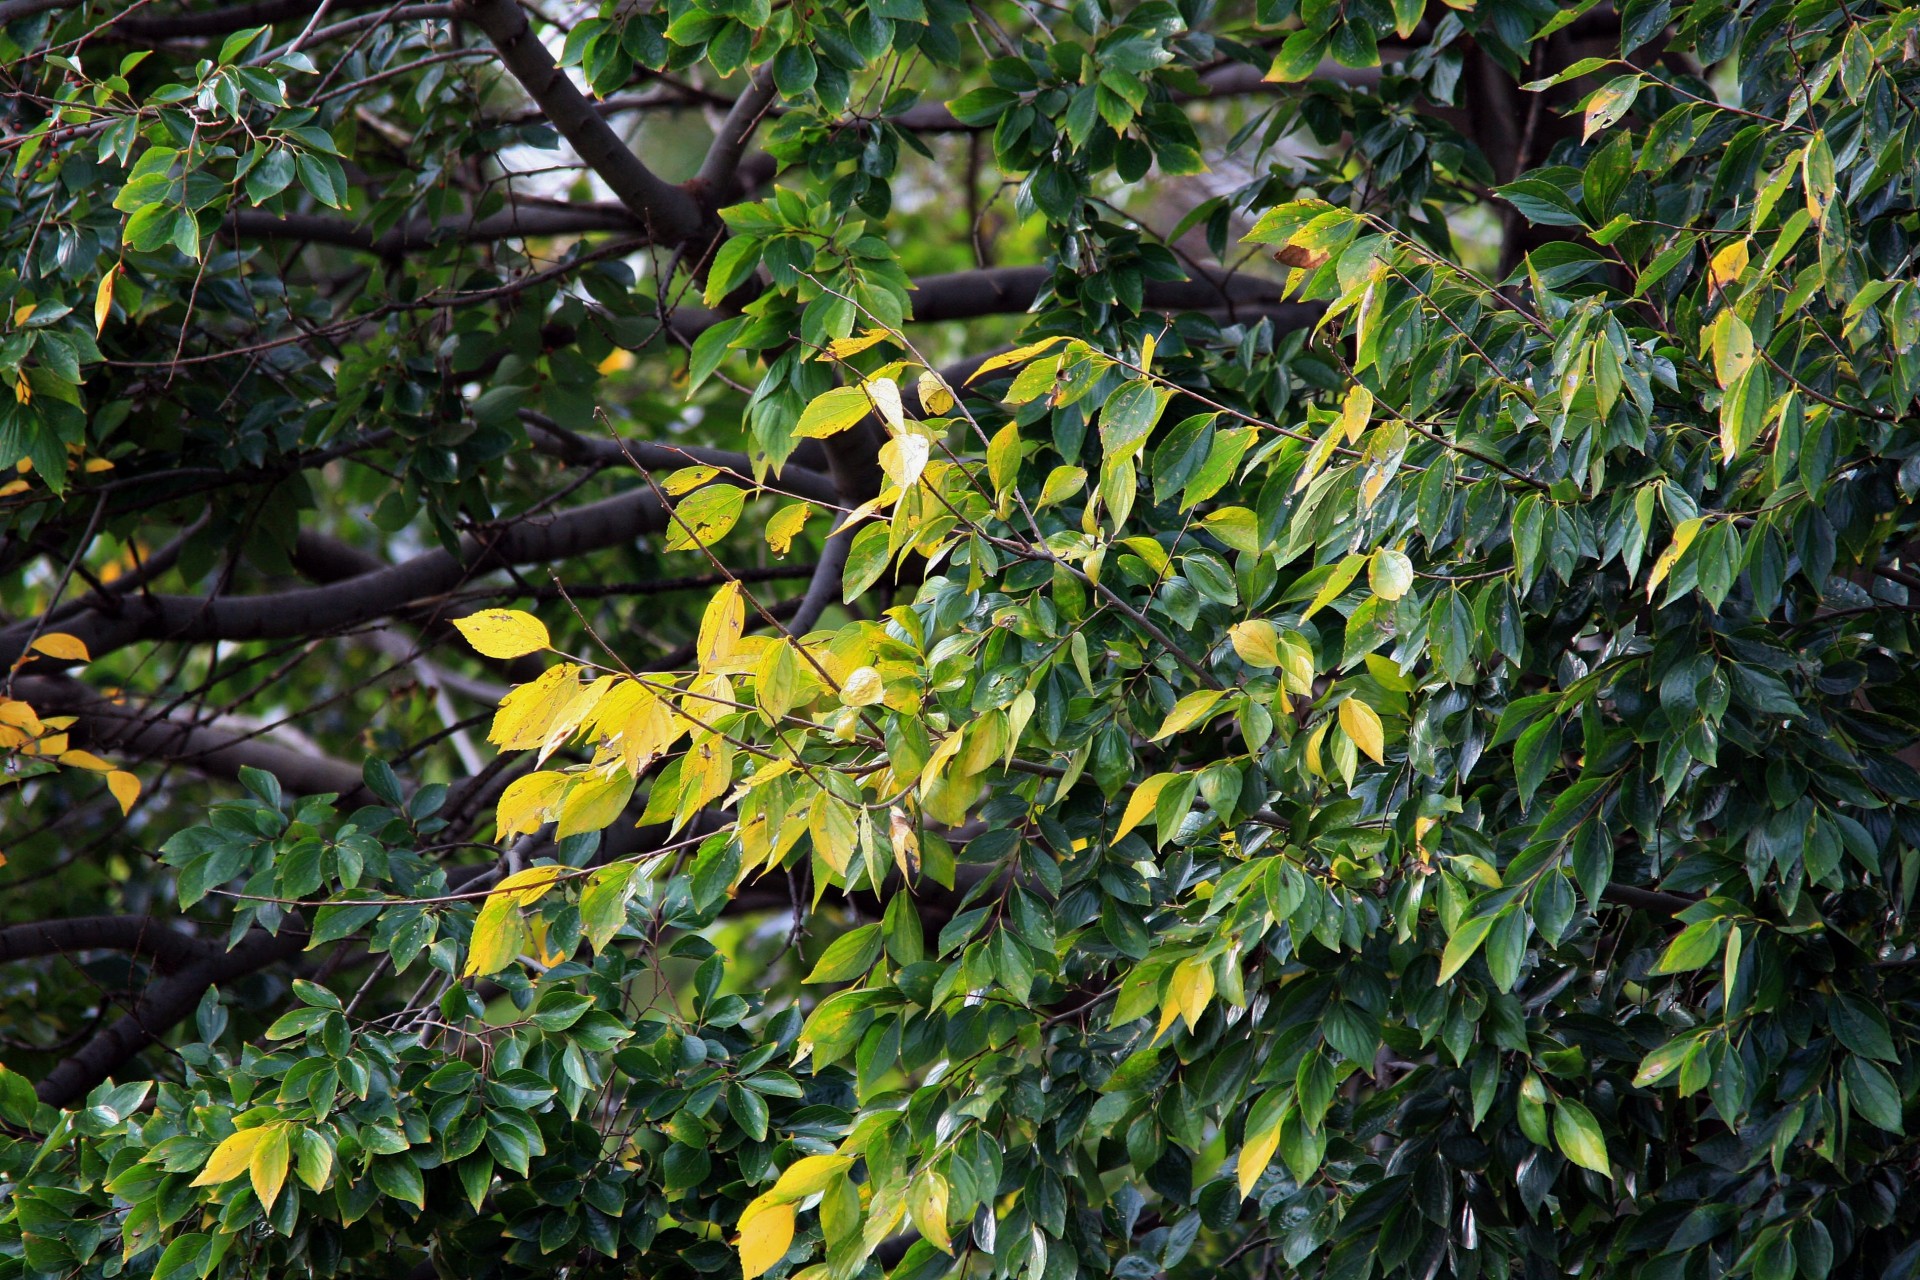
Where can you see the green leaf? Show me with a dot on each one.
(849, 955)
(1579, 1137)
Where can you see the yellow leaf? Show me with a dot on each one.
(1019, 355)
(23, 311)
(1189, 711)
(103, 299)
(705, 774)
(21, 716)
(498, 935)
(268, 1168)
(1727, 265)
(704, 517)
(862, 688)
(22, 392)
(529, 886)
(805, 1176)
(1362, 723)
(776, 678)
(125, 789)
(766, 1233)
(232, 1157)
(526, 803)
(786, 525)
(1257, 642)
(687, 479)
(721, 625)
(927, 1206)
(1355, 412)
(1257, 1153)
(834, 836)
(1731, 342)
(1190, 988)
(58, 644)
(832, 412)
(1140, 803)
(527, 713)
(935, 396)
(504, 633)
(616, 360)
(594, 804)
(904, 459)
(841, 348)
(85, 760)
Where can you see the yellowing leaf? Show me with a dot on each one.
(232, 1157)
(721, 625)
(862, 688)
(786, 525)
(1732, 345)
(526, 803)
(704, 517)
(498, 935)
(1389, 573)
(1355, 412)
(766, 1233)
(594, 804)
(1727, 265)
(529, 886)
(616, 361)
(1362, 724)
(125, 789)
(1683, 535)
(1578, 1134)
(534, 712)
(1190, 988)
(1257, 642)
(687, 479)
(1257, 1152)
(832, 828)
(805, 1176)
(832, 412)
(504, 633)
(1140, 803)
(927, 1206)
(776, 678)
(1189, 711)
(85, 760)
(936, 397)
(841, 348)
(58, 644)
(268, 1168)
(1019, 355)
(103, 299)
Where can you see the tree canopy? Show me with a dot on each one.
(919, 638)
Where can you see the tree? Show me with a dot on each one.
(1113, 640)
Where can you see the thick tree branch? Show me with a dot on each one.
(669, 213)
(355, 601)
(524, 218)
(719, 172)
(176, 735)
(961, 295)
(168, 947)
(550, 438)
(162, 1005)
